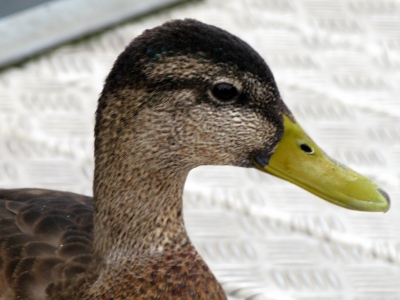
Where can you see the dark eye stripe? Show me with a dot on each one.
(224, 91)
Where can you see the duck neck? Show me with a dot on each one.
(137, 211)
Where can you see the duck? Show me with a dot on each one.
(181, 95)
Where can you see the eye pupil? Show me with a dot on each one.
(224, 91)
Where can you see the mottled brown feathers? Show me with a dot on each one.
(31, 268)
(157, 118)
(35, 238)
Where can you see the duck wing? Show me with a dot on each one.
(45, 236)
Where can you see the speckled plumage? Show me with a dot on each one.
(156, 120)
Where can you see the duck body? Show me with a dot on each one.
(53, 258)
(181, 95)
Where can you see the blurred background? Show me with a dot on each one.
(337, 64)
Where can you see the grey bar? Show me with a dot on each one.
(47, 25)
(8, 7)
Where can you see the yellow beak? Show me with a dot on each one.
(299, 160)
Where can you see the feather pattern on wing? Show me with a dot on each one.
(45, 236)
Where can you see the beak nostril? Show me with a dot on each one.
(307, 149)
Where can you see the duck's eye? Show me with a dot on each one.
(224, 91)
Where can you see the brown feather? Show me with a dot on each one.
(38, 249)
(38, 234)
(44, 269)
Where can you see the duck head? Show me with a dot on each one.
(186, 94)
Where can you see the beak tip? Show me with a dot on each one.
(386, 196)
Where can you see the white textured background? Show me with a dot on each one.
(337, 64)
